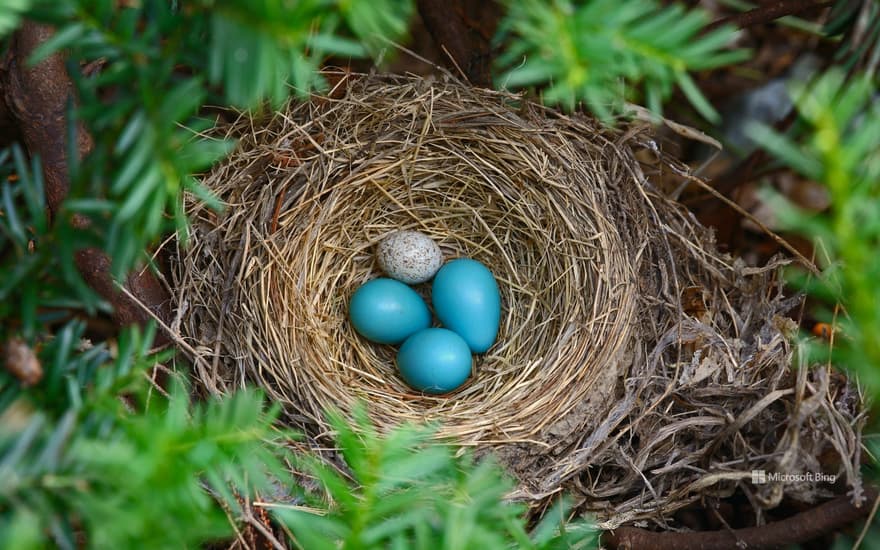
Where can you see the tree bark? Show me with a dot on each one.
(464, 30)
(38, 98)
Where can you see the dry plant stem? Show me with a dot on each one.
(805, 526)
(269, 539)
(806, 262)
(718, 213)
(742, 173)
(38, 98)
(95, 267)
(868, 522)
(636, 367)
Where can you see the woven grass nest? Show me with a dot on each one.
(636, 367)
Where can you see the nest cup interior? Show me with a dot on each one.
(314, 190)
(547, 245)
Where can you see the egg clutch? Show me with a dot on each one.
(465, 298)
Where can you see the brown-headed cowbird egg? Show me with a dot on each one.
(409, 256)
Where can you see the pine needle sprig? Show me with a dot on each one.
(405, 491)
(839, 130)
(604, 52)
(161, 63)
(11, 12)
(38, 278)
(122, 474)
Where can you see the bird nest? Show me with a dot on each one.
(636, 367)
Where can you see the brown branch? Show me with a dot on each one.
(769, 12)
(808, 525)
(38, 98)
(464, 29)
(8, 129)
(95, 267)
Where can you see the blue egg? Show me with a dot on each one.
(434, 360)
(467, 301)
(386, 311)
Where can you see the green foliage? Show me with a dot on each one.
(168, 453)
(89, 452)
(405, 492)
(605, 51)
(10, 14)
(857, 26)
(38, 278)
(841, 121)
(162, 63)
(374, 22)
(112, 465)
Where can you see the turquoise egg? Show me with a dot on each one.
(467, 301)
(434, 360)
(386, 311)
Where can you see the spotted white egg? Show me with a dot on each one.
(409, 256)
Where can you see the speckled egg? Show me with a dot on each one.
(409, 256)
